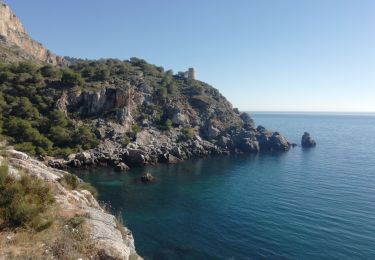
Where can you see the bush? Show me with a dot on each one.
(188, 133)
(75, 221)
(168, 124)
(86, 138)
(70, 181)
(49, 71)
(71, 78)
(136, 128)
(125, 140)
(22, 202)
(26, 147)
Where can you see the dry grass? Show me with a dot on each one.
(36, 227)
(66, 238)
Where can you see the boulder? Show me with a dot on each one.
(278, 142)
(173, 159)
(272, 141)
(307, 141)
(17, 154)
(122, 167)
(212, 132)
(250, 146)
(147, 178)
(180, 119)
(83, 157)
(135, 157)
(176, 151)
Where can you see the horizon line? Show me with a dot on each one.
(310, 111)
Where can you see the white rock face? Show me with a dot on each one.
(110, 241)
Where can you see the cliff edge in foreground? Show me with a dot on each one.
(71, 225)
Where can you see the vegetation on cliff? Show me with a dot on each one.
(29, 93)
(23, 201)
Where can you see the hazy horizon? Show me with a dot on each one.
(287, 56)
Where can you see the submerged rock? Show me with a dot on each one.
(122, 167)
(307, 141)
(148, 177)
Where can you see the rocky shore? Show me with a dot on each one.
(152, 147)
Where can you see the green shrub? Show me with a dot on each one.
(71, 78)
(70, 181)
(125, 140)
(75, 221)
(168, 124)
(188, 133)
(136, 128)
(23, 201)
(86, 138)
(26, 147)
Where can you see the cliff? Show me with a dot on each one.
(79, 229)
(17, 45)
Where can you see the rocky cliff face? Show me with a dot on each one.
(107, 239)
(17, 44)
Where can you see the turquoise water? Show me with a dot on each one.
(311, 204)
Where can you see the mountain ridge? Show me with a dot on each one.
(18, 45)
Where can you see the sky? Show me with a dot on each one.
(265, 55)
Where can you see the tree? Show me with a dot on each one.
(71, 78)
(49, 71)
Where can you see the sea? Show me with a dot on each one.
(316, 203)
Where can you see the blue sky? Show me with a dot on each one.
(266, 55)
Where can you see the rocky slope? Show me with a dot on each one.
(202, 122)
(17, 45)
(107, 239)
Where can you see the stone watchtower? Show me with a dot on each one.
(191, 73)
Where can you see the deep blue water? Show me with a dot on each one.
(310, 204)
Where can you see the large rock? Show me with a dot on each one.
(307, 141)
(147, 178)
(278, 142)
(135, 157)
(272, 141)
(122, 167)
(250, 145)
(180, 119)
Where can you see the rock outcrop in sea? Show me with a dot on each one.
(307, 141)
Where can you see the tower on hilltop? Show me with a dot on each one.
(191, 73)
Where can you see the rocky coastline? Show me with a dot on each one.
(153, 147)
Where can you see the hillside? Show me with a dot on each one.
(122, 113)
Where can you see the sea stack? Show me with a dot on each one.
(307, 141)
